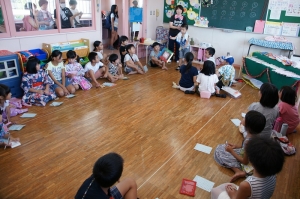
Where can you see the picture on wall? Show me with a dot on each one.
(191, 10)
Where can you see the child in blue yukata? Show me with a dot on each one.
(154, 59)
(183, 43)
(226, 73)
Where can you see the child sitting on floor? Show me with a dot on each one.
(123, 52)
(154, 59)
(226, 73)
(56, 71)
(183, 43)
(5, 137)
(267, 105)
(36, 84)
(9, 109)
(98, 48)
(114, 66)
(189, 74)
(75, 72)
(209, 54)
(267, 159)
(288, 110)
(105, 181)
(232, 156)
(132, 62)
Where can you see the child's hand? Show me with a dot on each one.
(47, 92)
(66, 91)
(231, 190)
(229, 148)
(40, 92)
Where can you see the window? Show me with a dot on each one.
(4, 32)
(36, 17)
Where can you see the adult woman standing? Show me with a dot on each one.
(114, 19)
(175, 23)
(44, 17)
(30, 22)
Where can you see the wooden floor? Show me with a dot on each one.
(153, 126)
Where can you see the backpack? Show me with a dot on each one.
(107, 22)
(286, 146)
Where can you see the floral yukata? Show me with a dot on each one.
(36, 81)
(76, 69)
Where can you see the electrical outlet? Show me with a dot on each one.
(150, 12)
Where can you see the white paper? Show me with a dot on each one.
(275, 14)
(203, 148)
(204, 183)
(15, 144)
(27, 115)
(135, 27)
(293, 8)
(278, 4)
(70, 96)
(290, 29)
(273, 28)
(16, 127)
(232, 92)
(236, 122)
(108, 84)
(56, 103)
(243, 114)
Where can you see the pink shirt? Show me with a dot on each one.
(26, 25)
(289, 115)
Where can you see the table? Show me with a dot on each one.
(271, 44)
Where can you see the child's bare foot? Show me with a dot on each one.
(97, 85)
(237, 175)
(164, 68)
(132, 72)
(140, 71)
(121, 76)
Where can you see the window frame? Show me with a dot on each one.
(5, 17)
(12, 32)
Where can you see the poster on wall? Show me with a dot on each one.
(191, 10)
(135, 14)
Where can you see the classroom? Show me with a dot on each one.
(157, 99)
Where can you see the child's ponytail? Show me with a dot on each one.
(189, 57)
(54, 53)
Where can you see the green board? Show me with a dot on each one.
(234, 14)
(283, 18)
(191, 10)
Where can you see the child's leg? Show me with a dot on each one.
(100, 73)
(70, 87)
(127, 188)
(238, 174)
(59, 92)
(112, 78)
(91, 74)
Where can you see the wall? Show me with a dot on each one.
(106, 4)
(154, 21)
(32, 42)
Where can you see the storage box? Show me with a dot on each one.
(39, 53)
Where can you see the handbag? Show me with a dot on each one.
(205, 94)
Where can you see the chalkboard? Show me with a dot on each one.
(283, 18)
(234, 14)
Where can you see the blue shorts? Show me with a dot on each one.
(128, 69)
(182, 52)
(115, 29)
(67, 83)
(115, 193)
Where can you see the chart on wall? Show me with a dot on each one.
(234, 14)
(191, 10)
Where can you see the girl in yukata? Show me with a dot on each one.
(36, 84)
(75, 72)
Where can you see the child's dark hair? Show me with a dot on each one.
(129, 46)
(2, 94)
(6, 89)
(92, 56)
(113, 57)
(108, 169)
(185, 26)
(113, 10)
(31, 65)
(269, 95)
(123, 38)
(55, 53)
(71, 54)
(255, 122)
(155, 44)
(72, 2)
(179, 7)
(211, 51)
(189, 57)
(96, 44)
(208, 68)
(265, 155)
(288, 95)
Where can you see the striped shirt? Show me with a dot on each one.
(261, 188)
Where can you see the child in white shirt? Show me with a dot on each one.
(209, 54)
(207, 78)
(132, 62)
(76, 13)
(183, 43)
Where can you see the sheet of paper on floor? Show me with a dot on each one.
(203, 183)
(236, 122)
(203, 148)
(243, 114)
(28, 115)
(16, 127)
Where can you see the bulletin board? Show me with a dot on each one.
(191, 10)
(135, 14)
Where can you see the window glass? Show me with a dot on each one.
(2, 23)
(33, 15)
(75, 13)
